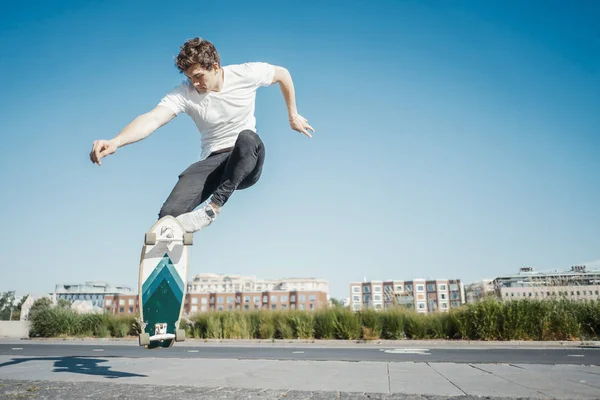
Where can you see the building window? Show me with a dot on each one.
(420, 288)
(273, 299)
(399, 288)
(366, 289)
(442, 287)
(377, 297)
(293, 298)
(454, 287)
(356, 299)
(284, 299)
(302, 298)
(355, 289)
(312, 297)
(246, 299)
(421, 306)
(377, 289)
(431, 287)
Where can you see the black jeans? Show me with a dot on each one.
(217, 175)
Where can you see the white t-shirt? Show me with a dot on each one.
(221, 116)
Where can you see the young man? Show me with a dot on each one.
(220, 100)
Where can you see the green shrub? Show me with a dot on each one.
(490, 319)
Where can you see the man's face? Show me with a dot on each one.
(203, 80)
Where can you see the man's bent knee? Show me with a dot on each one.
(248, 138)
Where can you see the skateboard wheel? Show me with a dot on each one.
(150, 238)
(180, 335)
(144, 339)
(188, 239)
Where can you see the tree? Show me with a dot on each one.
(40, 304)
(336, 303)
(63, 303)
(7, 305)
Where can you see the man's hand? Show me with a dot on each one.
(101, 149)
(300, 124)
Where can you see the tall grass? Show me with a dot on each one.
(490, 319)
(61, 322)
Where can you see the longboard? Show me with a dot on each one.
(163, 283)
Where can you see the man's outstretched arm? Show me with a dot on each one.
(140, 128)
(297, 122)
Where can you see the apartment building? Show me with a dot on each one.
(578, 283)
(422, 295)
(222, 283)
(206, 292)
(268, 300)
(98, 296)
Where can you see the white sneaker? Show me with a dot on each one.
(197, 220)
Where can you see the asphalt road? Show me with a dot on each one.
(574, 356)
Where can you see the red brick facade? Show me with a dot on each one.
(203, 302)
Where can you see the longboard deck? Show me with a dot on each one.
(163, 281)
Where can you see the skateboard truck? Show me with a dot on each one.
(160, 333)
(151, 239)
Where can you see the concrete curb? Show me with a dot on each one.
(325, 343)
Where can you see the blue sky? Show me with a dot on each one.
(453, 139)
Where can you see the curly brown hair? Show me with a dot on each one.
(197, 51)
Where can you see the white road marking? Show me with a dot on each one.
(408, 351)
(17, 348)
(192, 351)
(98, 350)
(576, 355)
(297, 352)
